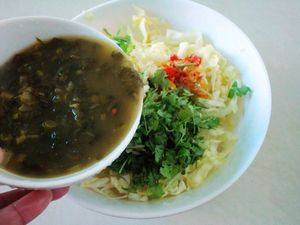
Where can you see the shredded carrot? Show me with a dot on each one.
(173, 86)
(203, 84)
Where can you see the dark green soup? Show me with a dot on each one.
(64, 104)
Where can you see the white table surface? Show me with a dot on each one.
(269, 192)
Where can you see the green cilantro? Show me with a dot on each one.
(155, 191)
(159, 80)
(169, 170)
(238, 91)
(142, 74)
(168, 138)
(124, 42)
(209, 122)
(158, 153)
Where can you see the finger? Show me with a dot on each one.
(11, 196)
(26, 208)
(58, 193)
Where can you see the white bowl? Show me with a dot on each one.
(187, 15)
(18, 33)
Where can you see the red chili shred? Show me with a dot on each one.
(194, 59)
(185, 76)
(174, 57)
(114, 111)
(173, 73)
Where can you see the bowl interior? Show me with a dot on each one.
(237, 48)
(19, 33)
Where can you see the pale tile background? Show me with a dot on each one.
(269, 192)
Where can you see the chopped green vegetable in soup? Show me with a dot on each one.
(64, 104)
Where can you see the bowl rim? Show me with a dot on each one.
(237, 174)
(15, 180)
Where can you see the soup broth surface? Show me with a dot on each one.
(64, 104)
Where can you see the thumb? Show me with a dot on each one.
(26, 208)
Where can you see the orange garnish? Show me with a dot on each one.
(184, 72)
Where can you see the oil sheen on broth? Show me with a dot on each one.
(64, 104)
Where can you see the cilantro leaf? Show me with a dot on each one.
(158, 153)
(238, 91)
(124, 42)
(169, 170)
(184, 156)
(155, 191)
(209, 122)
(159, 80)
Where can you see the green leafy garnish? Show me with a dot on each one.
(159, 80)
(168, 138)
(238, 91)
(124, 42)
(155, 191)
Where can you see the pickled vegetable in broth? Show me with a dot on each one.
(64, 104)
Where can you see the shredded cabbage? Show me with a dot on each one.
(154, 42)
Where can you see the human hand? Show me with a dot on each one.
(20, 206)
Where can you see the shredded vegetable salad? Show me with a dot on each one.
(191, 107)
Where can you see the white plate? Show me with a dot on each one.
(186, 15)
